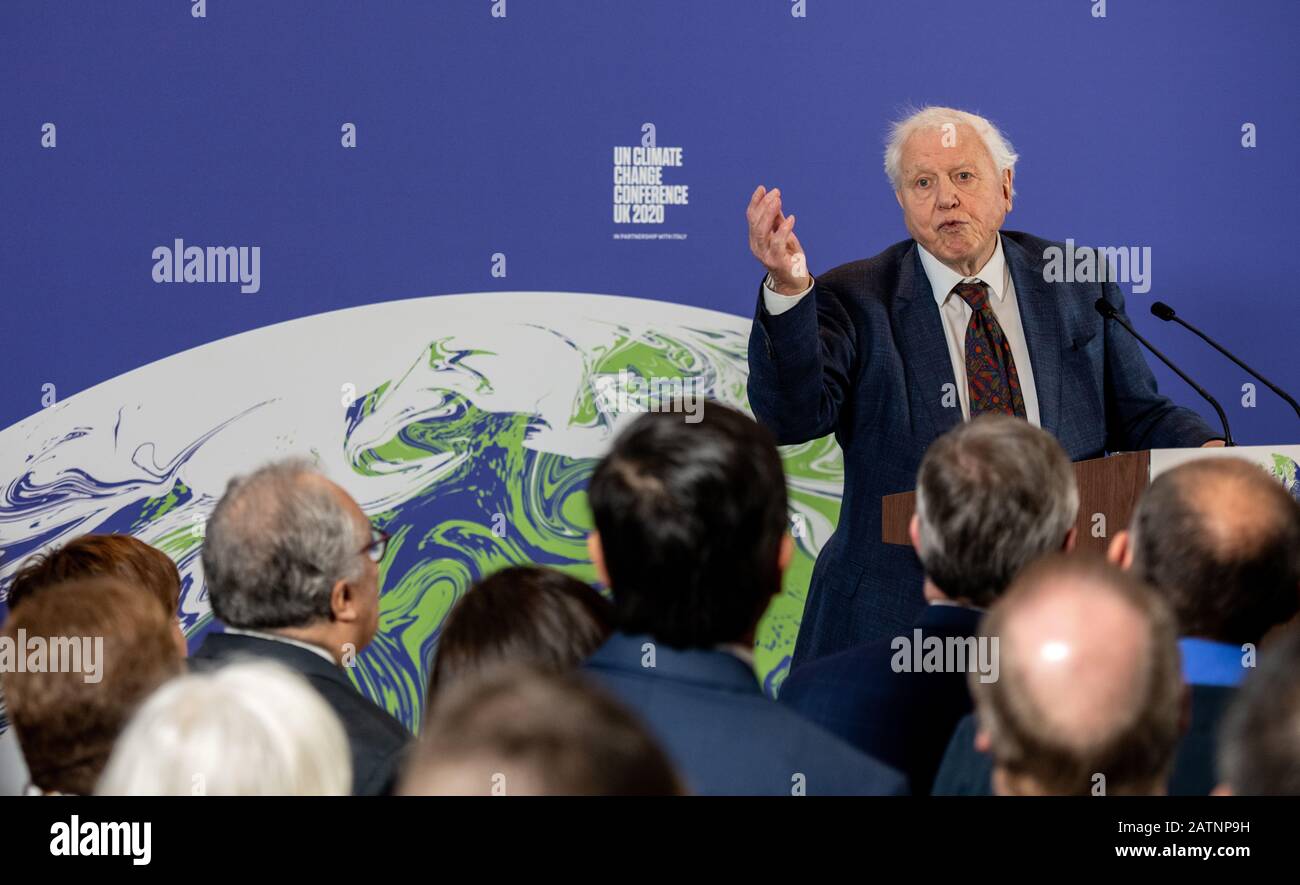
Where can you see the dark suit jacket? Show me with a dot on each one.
(725, 736)
(903, 719)
(967, 772)
(864, 356)
(377, 740)
(1196, 766)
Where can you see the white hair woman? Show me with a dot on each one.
(253, 728)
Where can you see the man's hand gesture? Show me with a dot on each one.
(772, 240)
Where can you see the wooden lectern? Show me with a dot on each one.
(1111, 486)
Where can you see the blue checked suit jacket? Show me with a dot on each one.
(724, 736)
(864, 356)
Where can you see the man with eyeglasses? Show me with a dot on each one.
(291, 566)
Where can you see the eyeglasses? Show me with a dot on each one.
(378, 545)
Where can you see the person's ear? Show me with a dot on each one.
(1007, 177)
(914, 532)
(983, 743)
(343, 602)
(597, 558)
(1120, 550)
(898, 195)
(786, 554)
(1071, 538)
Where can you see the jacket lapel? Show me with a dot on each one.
(1041, 321)
(924, 346)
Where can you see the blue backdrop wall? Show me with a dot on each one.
(375, 153)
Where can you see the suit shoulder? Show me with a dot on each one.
(849, 665)
(360, 712)
(807, 741)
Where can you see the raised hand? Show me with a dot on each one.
(772, 240)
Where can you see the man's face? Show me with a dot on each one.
(366, 586)
(953, 197)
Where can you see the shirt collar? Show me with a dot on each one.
(943, 279)
(275, 637)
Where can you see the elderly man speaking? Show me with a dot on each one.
(889, 352)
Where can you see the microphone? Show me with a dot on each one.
(1107, 310)
(1166, 313)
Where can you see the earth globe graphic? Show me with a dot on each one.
(466, 426)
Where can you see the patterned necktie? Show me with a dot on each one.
(990, 369)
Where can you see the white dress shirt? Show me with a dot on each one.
(956, 314)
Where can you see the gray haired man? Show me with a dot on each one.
(993, 494)
(888, 353)
(291, 564)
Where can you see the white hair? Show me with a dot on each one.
(933, 117)
(253, 728)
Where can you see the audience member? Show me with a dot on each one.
(690, 538)
(254, 728)
(103, 647)
(1089, 699)
(105, 556)
(1219, 540)
(992, 495)
(291, 564)
(90, 556)
(525, 732)
(1259, 746)
(525, 615)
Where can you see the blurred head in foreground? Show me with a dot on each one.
(1259, 746)
(1090, 699)
(526, 615)
(253, 728)
(106, 646)
(519, 732)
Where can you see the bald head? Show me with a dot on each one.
(1220, 540)
(1089, 683)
